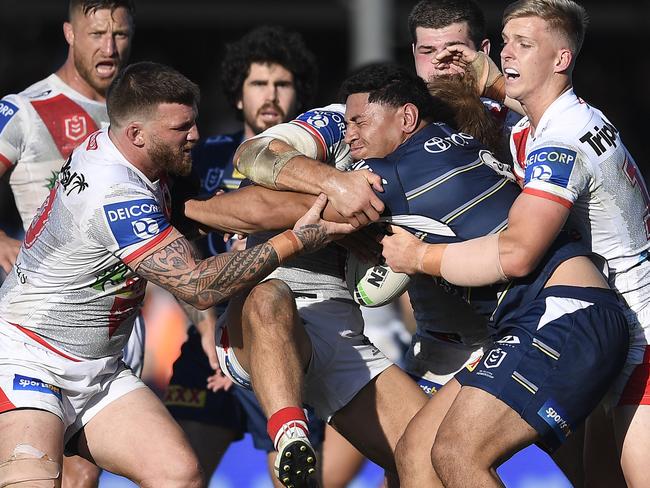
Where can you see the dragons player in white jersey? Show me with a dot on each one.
(63, 324)
(575, 171)
(40, 127)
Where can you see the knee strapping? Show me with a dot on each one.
(28, 466)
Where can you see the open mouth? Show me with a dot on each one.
(106, 69)
(511, 74)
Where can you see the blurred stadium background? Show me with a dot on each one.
(612, 74)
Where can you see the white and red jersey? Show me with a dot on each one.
(39, 128)
(71, 286)
(576, 157)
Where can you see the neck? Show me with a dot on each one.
(133, 154)
(248, 132)
(536, 104)
(71, 77)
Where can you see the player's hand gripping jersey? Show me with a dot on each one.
(576, 157)
(71, 286)
(39, 128)
(437, 184)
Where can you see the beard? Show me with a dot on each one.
(86, 71)
(262, 126)
(175, 161)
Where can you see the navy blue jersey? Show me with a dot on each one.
(213, 168)
(437, 186)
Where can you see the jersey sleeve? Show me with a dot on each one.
(11, 130)
(128, 221)
(557, 172)
(393, 196)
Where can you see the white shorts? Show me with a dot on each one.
(343, 360)
(133, 352)
(33, 375)
(432, 363)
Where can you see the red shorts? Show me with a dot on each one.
(637, 389)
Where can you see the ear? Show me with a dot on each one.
(68, 33)
(240, 104)
(413, 48)
(564, 61)
(485, 46)
(410, 118)
(134, 133)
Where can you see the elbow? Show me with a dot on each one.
(518, 264)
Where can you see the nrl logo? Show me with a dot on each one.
(75, 127)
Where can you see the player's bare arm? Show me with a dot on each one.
(490, 81)
(254, 209)
(203, 283)
(352, 194)
(533, 225)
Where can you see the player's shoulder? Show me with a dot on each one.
(41, 90)
(99, 164)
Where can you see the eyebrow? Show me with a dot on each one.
(446, 44)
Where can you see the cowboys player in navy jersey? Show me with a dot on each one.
(451, 198)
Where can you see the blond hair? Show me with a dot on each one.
(564, 16)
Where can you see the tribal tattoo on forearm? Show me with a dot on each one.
(312, 237)
(205, 283)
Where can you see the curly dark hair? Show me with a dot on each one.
(270, 44)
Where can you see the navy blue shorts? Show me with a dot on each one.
(187, 398)
(554, 361)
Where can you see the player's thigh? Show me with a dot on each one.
(416, 442)
(29, 433)
(341, 461)
(79, 473)
(135, 436)
(377, 416)
(481, 427)
(632, 427)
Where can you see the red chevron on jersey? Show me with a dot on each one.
(520, 139)
(5, 403)
(67, 122)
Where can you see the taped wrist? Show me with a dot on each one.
(260, 164)
(473, 263)
(286, 245)
(491, 81)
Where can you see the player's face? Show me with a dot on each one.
(429, 42)
(373, 130)
(529, 58)
(268, 97)
(100, 45)
(172, 133)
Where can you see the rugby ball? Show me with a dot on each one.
(373, 285)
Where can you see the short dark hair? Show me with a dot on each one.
(88, 6)
(270, 44)
(436, 14)
(392, 85)
(141, 87)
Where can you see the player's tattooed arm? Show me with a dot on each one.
(210, 281)
(202, 283)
